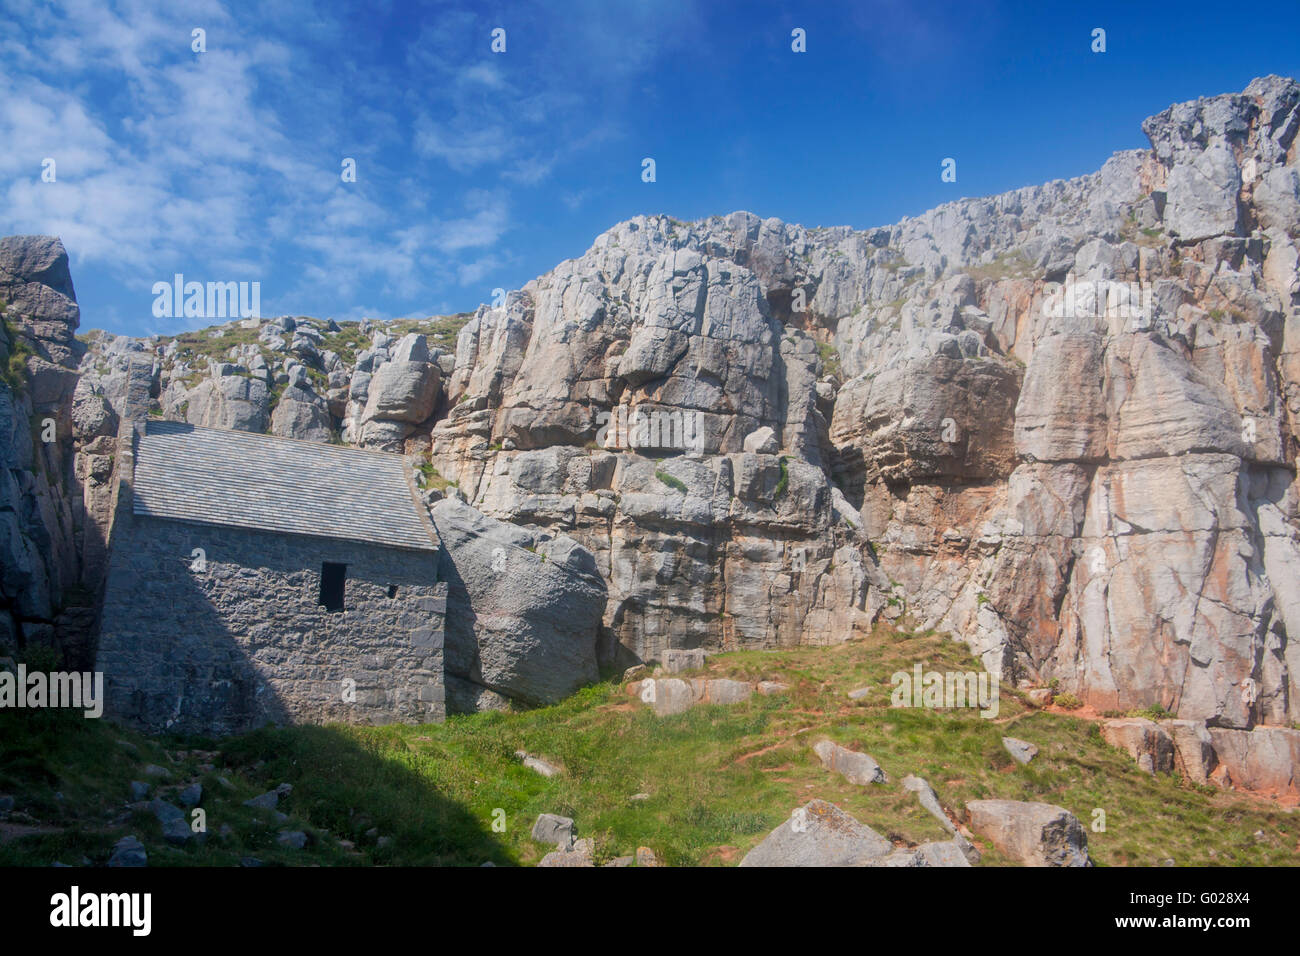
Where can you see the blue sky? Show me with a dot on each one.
(477, 169)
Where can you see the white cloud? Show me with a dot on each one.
(229, 160)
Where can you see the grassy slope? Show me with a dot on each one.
(718, 778)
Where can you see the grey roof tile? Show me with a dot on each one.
(247, 480)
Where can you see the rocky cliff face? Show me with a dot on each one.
(51, 549)
(1059, 423)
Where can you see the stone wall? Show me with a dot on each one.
(240, 640)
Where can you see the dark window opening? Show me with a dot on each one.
(331, 585)
(392, 590)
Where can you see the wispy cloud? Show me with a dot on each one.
(228, 161)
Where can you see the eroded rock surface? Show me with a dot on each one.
(1034, 834)
(1057, 423)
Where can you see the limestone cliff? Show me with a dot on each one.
(1059, 423)
(51, 549)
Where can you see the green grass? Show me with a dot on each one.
(441, 331)
(718, 779)
(346, 342)
(784, 482)
(191, 346)
(430, 478)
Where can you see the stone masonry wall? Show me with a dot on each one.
(240, 641)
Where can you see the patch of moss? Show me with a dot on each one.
(675, 483)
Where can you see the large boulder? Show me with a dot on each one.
(229, 401)
(819, 834)
(1146, 742)
(1035, 834)
(302, 414)
(523, 609)
(403, 392)
(853, 766)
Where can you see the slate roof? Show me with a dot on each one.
(245, 480)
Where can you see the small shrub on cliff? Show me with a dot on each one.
(1067, 701)
(14, 371)
(675, 483)
(1154, 712)
(784, 483)
(830, 357)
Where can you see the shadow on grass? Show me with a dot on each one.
(70, 779)
(353, 785)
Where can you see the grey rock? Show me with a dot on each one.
(1034, 834)
(762, 441)
(293, 839)
(1194, 756)
(528, 633)
(673, 695)
(165, 811)
(128, 851)
(647, 857)
(946, 853)
(1145, 740)
(177, 832)
(1265, 760)
(403, 392)
(854, 767)
(302, 414)
(929, 801)
(1202, 194)
(537, 764)
(231, 402)
(266, 801)
(677, 660)
(819, 834)
(1021, 751)
(413, 347)
(552, 829)
(581, 854)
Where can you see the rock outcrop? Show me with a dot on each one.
(1146, 742)
(1058, 424)
(821, 834)
(522, 610)
(51, 548)
(1034, 834)
(1091, 482)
